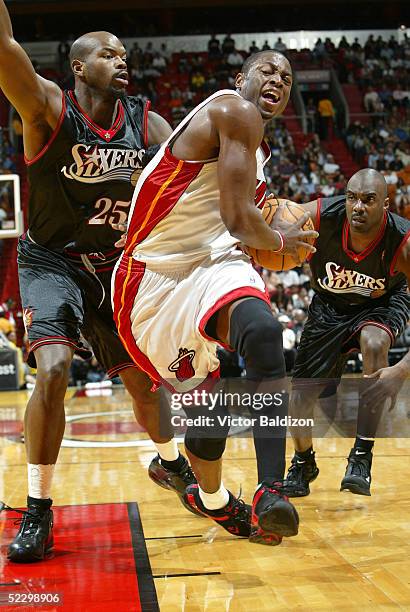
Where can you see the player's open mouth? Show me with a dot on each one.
(122, 78)
(271, 97)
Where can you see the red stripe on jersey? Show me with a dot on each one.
(370, 247)
(145, 122)
(158, 195)
(128, 277)
(228, 298)
(399, 249)
(266, 150)
(53, 136)
(260, 194)
(316, 223)
(106, 135)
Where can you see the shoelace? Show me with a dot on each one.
(296, 471)
(240, 509)
(358, 466)
(187, 475)
(278, 488)
(32, 519)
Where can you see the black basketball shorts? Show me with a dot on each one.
(330, 335)
(62, 301)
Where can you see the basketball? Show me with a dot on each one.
(281, 261)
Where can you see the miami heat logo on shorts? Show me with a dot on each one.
(182, 365)
(27, 318)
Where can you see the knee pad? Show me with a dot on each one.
(257, 336)
(209, 449)
(207, 438)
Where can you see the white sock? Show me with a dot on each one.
(39, 480)
(214, 501)
(168, 450)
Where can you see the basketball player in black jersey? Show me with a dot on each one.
(84, 151)
(360, 273)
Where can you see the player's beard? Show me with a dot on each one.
(119, 94)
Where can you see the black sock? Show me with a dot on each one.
(304, 454)
(40, 504)
(175, 465)
(365, 445)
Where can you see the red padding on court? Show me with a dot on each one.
(100, 561)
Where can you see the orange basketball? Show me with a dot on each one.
(278, 261)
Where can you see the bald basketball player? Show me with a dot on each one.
(360, 275)
(84, 150)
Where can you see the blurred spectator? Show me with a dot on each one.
(198, 80)
(326, 118)
(289, 279)
(372, 102)
(6, 326)
(253, 48)
(214, 50)
(280, 45)
(159, 62)
(235, 59)
(165, 53)
(228, 44)
(330, 167)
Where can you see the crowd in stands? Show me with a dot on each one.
(301, 177)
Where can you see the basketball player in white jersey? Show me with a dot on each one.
(183, 286)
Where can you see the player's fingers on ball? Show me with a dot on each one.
(309, 234)
(303, 219)
(306, 245)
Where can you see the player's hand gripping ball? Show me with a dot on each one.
(290, 212)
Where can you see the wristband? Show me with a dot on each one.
(282, 242)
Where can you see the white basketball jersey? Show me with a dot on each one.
(175, 213)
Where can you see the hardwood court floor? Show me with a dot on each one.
(352, 552)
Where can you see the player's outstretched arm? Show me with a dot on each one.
(388, 381)
(35, 98)
(239, 127)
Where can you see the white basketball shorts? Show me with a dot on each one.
(161, 316)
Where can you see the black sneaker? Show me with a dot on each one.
(300, 474)
(273, 516)
(358, 477)
(173, 481)
(235, 517)
(35, 536)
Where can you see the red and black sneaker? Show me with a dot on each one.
(273, 516)
(235, 517)
(173, 481)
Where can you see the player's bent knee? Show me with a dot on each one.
(257, 336)
(374, 342)
(207, 449)
(55, 373)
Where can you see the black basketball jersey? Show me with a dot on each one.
(83, 180)
(348, 279)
